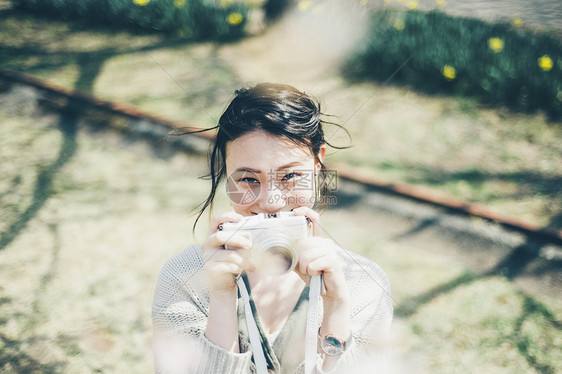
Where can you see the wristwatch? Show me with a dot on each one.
(332, 345)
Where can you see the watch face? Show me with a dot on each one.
(332, 345)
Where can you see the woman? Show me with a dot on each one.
(270, 147)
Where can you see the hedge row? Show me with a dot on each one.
(499, 63)
(197, 19)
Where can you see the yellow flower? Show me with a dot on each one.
(363, 2)
(545, 62)
(399, 24)
(516, 22)
(141, 2)
(449, 72)
(304, 5)
(495, 44)
(179, 3)
(234, 18)
(413, 5)
(441, 3)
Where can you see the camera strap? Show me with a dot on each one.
(257, 350)
(312, 323)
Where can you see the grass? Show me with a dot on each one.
(510, 162)
(194, 19)
(89, 216)
(495, 62)
(77, 277)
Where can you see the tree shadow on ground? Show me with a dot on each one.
(510, 267)
(42, 191)
(90, 65)
(35, 57)
(14, 359)
(556, 221)
(528, 182)
(29, 55)
(515, 264)
(13, 355)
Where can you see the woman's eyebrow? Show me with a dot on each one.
(249, 170)
(290, 165)
(283, 167)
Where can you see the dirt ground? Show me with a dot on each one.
(90, 214)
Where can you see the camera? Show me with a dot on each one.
(273, 238)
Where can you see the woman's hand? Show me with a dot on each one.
(319, 255)
(223, 265)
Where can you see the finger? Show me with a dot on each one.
(313, 216)
(223, 255)
(240, 259)
(315, 246)
(321, 264)
(305, 257)
(220, 256)
(316, 242)
(318, 263)
(219, 219)
(230, 239)
(224, 268)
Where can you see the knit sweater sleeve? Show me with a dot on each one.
(371, 317)
(179, 318)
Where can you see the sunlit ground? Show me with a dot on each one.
(89, 217)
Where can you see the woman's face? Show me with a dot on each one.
(269, 174)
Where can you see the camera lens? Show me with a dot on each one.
(274, 253)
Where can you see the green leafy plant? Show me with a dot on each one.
(436, 53)
(197, 19)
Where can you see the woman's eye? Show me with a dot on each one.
(290, 176)
(248, 180)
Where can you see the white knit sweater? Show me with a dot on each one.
(181, 304)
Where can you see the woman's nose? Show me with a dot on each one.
(272, 200)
